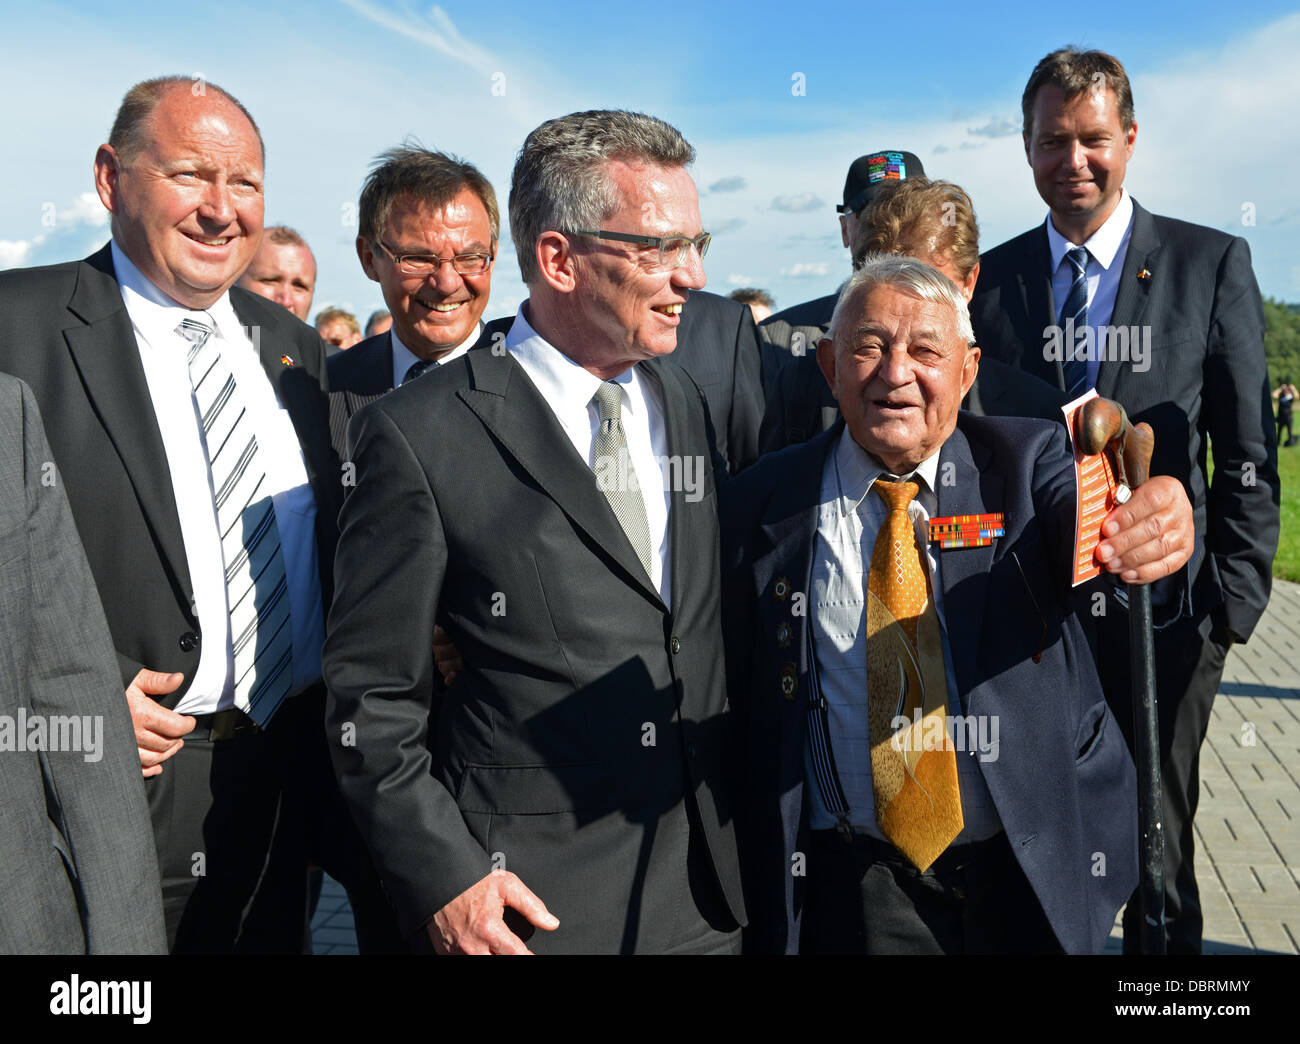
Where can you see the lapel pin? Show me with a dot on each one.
(781, 589)
(286, 361)
(1144, 275)
(953, 531)
(783, 634)
(789, 681)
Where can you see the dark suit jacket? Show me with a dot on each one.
(793, 332)
(1206, 381)
(717, 344)
(65, 330)
(588, 709)
(78, 873)
(1063, 783)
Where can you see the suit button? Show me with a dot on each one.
(675, 645)
(690, 751)
(189, 641)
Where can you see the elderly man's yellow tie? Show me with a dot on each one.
(913, 768)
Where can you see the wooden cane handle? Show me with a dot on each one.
(1137, 453)
(1096, 424)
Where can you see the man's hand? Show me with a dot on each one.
(472, 922)
(158, 731)
(1151, 536)
(446, 657)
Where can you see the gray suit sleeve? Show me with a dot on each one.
(98, 794)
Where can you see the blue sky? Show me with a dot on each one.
(335, 82)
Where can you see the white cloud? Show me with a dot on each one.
(86, 209)
(14, 253)
(807, 270)
(799, 203)
(740, 280)
(437, 32)
(997, 127)
(731, 184)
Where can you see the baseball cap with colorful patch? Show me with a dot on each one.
(875, 168)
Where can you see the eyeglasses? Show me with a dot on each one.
(426, 264)
(673, 250)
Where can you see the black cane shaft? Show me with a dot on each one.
(1151, 852)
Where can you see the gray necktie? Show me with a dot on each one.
(256, 585)
(614, 472)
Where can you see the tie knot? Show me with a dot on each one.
(896, 493)
(418, 368)
(1078, 258)
(195, 330)
(609, 402)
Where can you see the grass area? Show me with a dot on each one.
(1287, 563)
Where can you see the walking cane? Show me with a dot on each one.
(1103, 425)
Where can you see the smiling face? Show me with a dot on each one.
(284, 273)
(623, 303)
(187, 206)
(434, 313)
(1079, 153)
(899, 369)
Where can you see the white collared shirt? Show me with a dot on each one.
(163, 352)
(568, 390)
(1106, 248)
(848, 519)
(404, 358)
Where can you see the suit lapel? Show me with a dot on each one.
(107, 356)
(1132, 293)
(1035, 278)
(789, 524)
(964, 572)
(678, 436)
(505, 400)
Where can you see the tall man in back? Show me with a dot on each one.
(1167, 320)
(552, 506)
(428, 236)
(189, 422)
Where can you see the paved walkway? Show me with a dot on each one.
(1248, 823)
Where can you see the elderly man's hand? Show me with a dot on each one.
(1151, 536)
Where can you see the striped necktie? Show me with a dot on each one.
(1076, 308)
(614, 472)
(913, 769)
(256, 586)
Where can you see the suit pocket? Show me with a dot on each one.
(534, 789)
(1091, 731)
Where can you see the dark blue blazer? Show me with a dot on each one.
(1063, 784)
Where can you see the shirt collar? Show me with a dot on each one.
(156, 314)
(564, 384)
(857, 470)
(404, 358)
(1104, 244)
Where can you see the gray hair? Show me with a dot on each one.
(561, 179)
(910, 276)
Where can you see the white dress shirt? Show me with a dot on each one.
(163, 352)
(848, 519)
(1107, 248)
(568, 390)
(404, 358)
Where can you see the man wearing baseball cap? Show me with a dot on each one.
(794, 332)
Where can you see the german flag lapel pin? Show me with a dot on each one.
(286, 361)
(953, 531)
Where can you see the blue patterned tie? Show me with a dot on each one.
(416, 369)
(1076, 308)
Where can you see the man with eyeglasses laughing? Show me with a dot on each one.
(428, 236)
(553, 507)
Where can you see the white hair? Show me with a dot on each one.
(911, 277)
